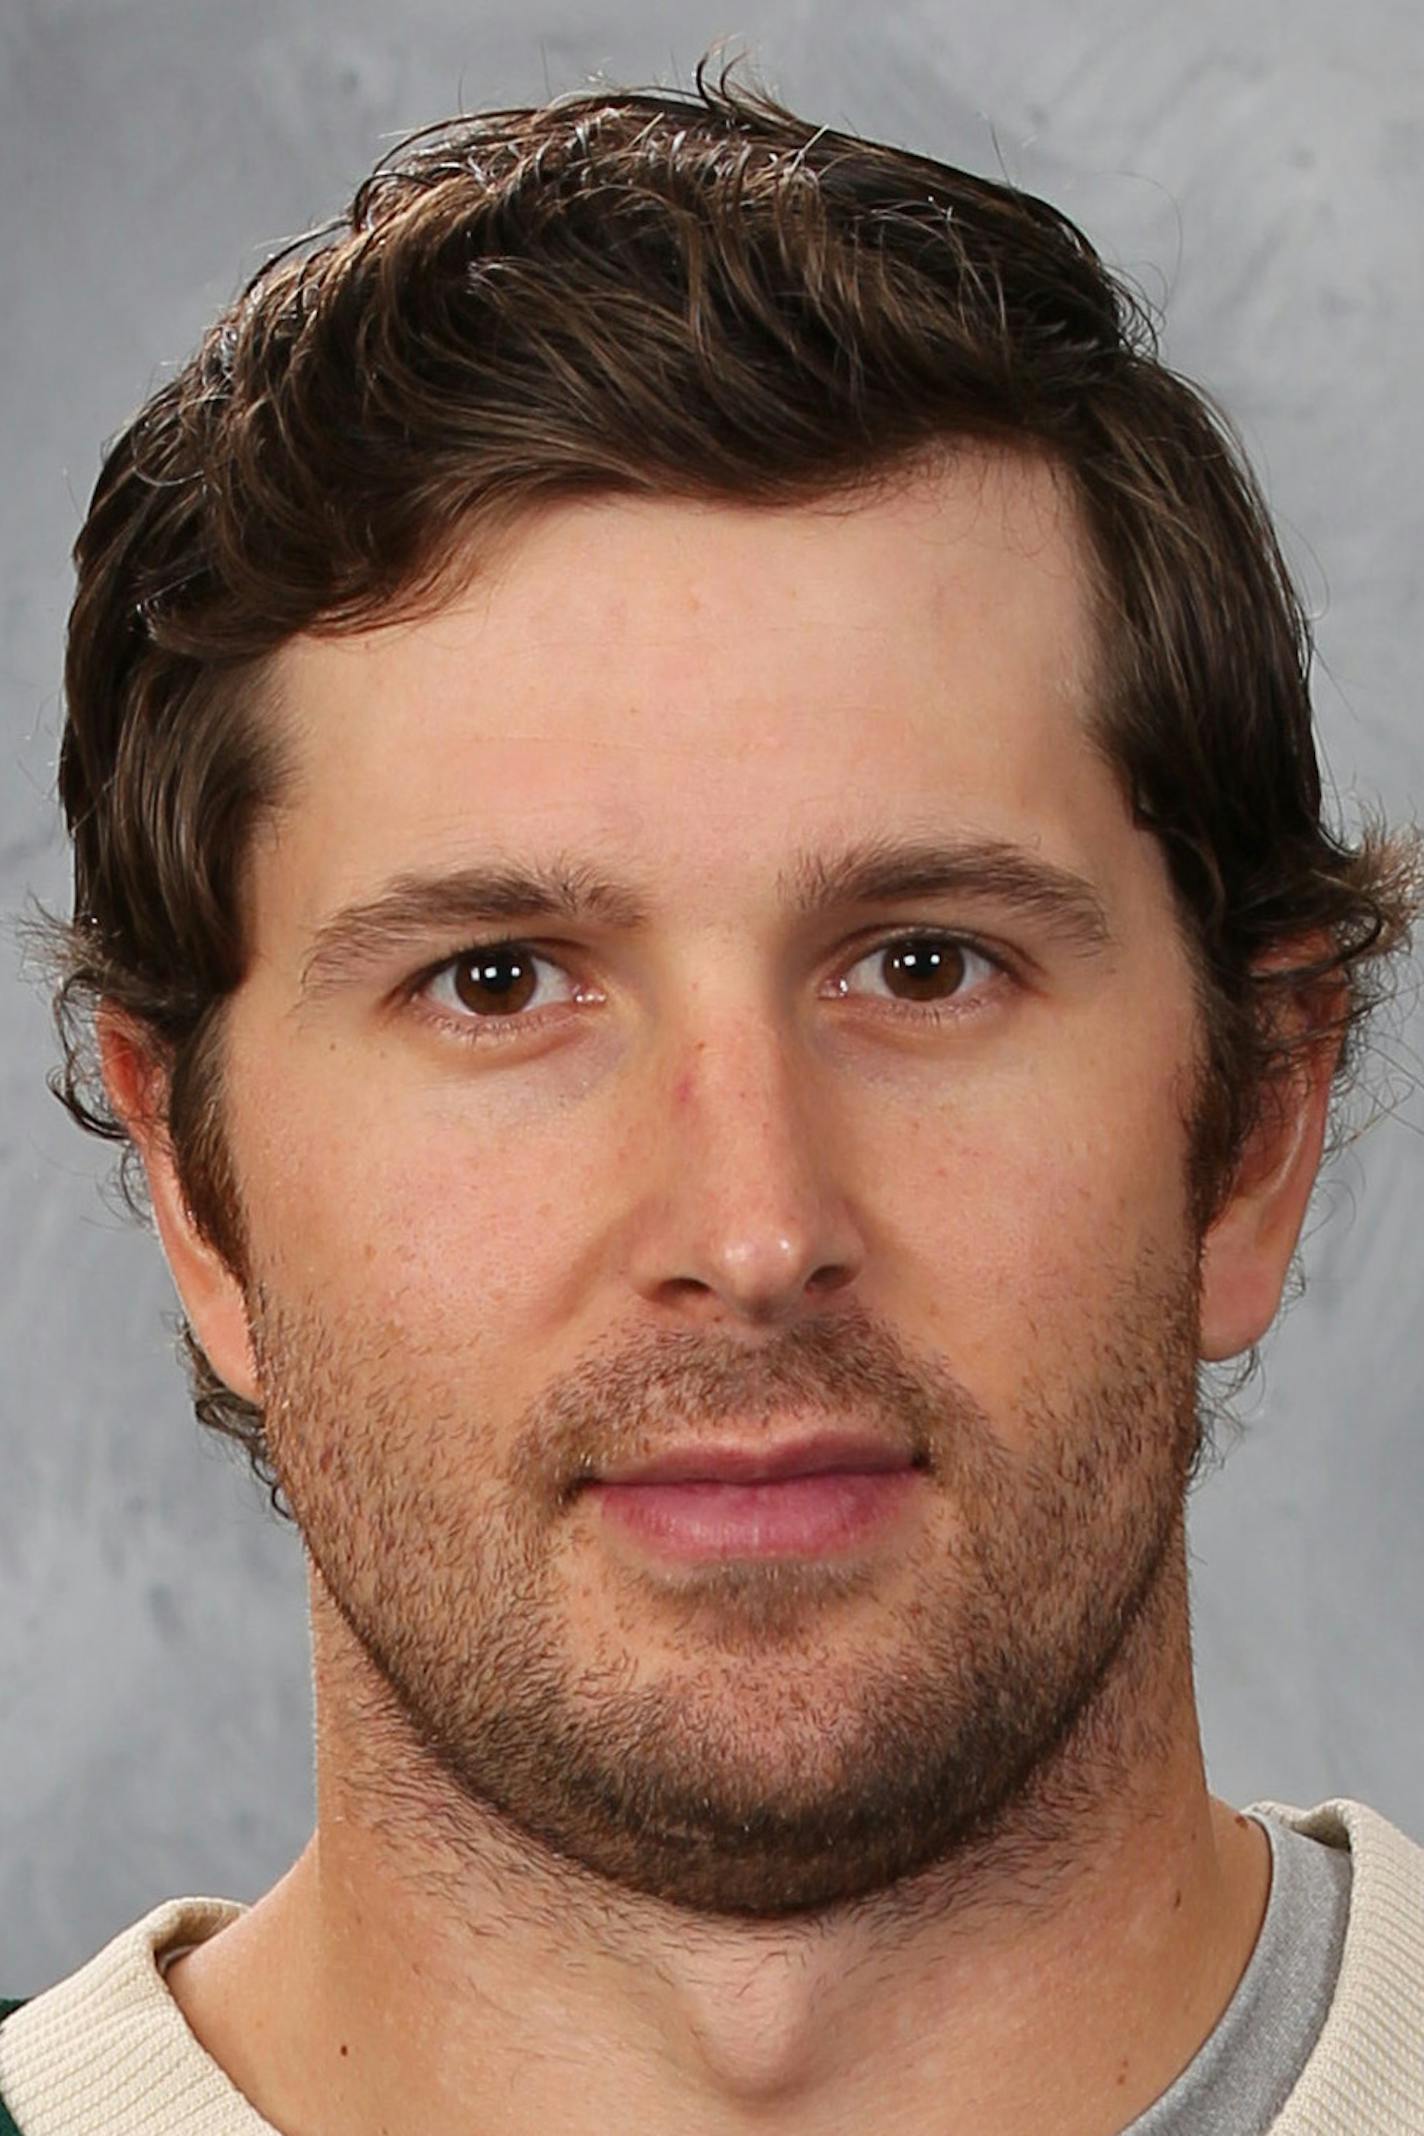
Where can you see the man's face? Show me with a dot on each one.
(753, 1167)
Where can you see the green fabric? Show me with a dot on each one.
(8, 2124)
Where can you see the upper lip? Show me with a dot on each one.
(761, 1463)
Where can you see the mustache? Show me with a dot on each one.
(633, 1399)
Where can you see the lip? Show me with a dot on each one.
(808, 1456)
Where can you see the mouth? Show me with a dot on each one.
(807, 1498)
(820, 1454)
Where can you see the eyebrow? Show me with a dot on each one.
(411, 908)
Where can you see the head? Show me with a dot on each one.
(672, 491)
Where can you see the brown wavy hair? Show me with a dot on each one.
(705, 297)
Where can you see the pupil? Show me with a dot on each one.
(925, 965)
(506, 974)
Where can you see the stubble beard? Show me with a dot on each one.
(758, 1739)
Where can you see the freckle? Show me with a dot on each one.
(344, 2048)
(1177, 1900)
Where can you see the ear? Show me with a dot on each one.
(1247, 1250)
(209, 1290)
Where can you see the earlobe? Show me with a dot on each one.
(1246, 1253)
(211, 1294)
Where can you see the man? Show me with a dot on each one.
(700, 879)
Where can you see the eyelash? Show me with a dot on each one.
(476, 1031)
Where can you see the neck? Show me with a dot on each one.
(1061, 1973)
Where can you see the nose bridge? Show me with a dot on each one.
(747, 1205)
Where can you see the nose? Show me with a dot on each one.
(743, 1213)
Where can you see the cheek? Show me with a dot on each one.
(1035, 1219)
(416, 1214)
(1004, 1213)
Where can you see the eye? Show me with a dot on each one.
(491, 983)
(491, 987)
(935, 973)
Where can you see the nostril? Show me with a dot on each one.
(832, 1277)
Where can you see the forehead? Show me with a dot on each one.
(695, 687)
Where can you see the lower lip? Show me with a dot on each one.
(797, 1516)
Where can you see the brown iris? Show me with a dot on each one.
(500, 980)
(926, 964)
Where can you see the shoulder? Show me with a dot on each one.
(1365, 2074)
(105, 2051)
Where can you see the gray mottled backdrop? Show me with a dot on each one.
(1260, 168)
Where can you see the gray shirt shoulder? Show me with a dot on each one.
(1244, 2071)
